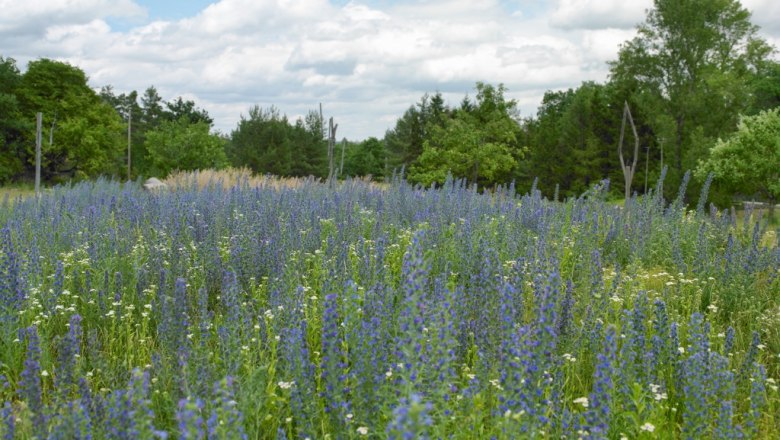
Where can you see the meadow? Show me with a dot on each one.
(289, 311)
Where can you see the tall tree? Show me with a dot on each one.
(309, 147)
(691, 63)
(766, 87)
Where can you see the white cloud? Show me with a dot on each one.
(34, 17)
(365, 64)
(599, 14)
(765, 13)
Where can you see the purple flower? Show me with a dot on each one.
(31, 390)
(189, 416)
(226, 420)
(9, 421)
(599, 414)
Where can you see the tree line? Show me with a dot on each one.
(696, 78)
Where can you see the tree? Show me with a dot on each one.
(266, 142)
(261, 142)
(749, 161)
(126, 106)
(690, 66)
(85, 133)
(153, 113)
(184, 145)
(308, 147)
(366, 158)
(405, 141)
(479, 143)
(550, 158)
(179, 108)
(766, 87)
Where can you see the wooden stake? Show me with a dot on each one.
(129, 132)
(38, 138)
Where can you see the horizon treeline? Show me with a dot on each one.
(689, 76)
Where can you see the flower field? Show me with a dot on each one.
(356, 311)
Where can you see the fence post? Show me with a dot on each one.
(38, 136)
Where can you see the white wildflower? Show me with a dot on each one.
(582, 401)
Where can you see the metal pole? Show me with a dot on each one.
(38, 136)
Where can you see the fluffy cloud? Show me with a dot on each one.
(21, 18)
(599, 14)
(365, 64)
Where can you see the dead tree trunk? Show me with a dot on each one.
(628, 170)
(331, 144)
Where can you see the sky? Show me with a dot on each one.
(365, 61)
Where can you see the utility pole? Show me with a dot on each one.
(38, 136)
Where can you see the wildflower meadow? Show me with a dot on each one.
(350, 310)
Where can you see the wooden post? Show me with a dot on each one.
(331, 146)
(343, 147)
(38, 136)
(628, 170)
(647, 164)
(129, 132)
